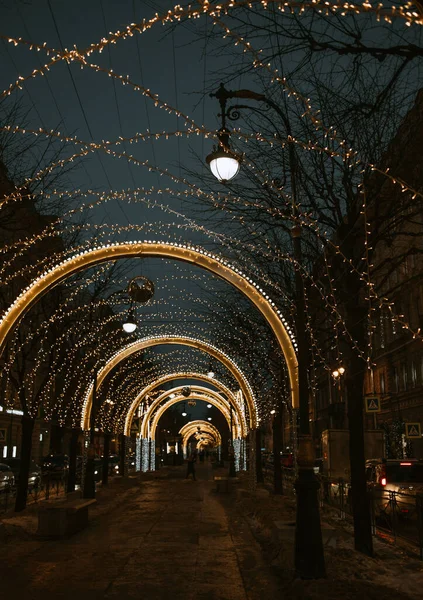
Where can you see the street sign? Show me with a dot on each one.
(3, 435)
(372, 404)
(413, 430)
(135, 425)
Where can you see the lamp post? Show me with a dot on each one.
(232, 472)
(309, 556)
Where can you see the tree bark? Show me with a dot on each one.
(106, 454)
(122, 455)
(26, 447)
(363, 541)
(73, 447)
(277, 445)
(356, 324)
(259, 468)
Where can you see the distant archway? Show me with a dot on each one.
(184, 252)
(174, 377)
(157, 340)
(153, 416)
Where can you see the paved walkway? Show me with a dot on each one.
(170, 538)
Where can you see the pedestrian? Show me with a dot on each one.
(191, 466)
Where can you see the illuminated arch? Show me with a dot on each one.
(215, 402)
(150, 341)
(173, 377)
(186, 253)
(191, 428)
(206, 395)
(194, 425)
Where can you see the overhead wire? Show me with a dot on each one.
(153, 152)
(115, 96)
(46, 79)
(83, 110)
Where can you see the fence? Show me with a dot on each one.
(398, 514)
(50, 486)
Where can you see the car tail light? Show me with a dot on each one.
(382, 481)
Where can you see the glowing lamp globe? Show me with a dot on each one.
(223, 165)
(129, 326)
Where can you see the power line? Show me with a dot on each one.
(46, 79)
(115, 95)
(145, 98)
(83, 111)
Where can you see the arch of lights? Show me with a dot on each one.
(183, 252)
(173, 377)
(150, 341)
(146, 446)
(192, 428)
(156, 410)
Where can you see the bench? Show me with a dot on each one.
(63, 518)
(222, 484)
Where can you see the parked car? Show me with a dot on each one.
(55, 464)
(7, 479)
(394, 484)
(404, 476)
(114, 460)
(287, 460)
(34, 475)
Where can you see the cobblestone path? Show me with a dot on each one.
(170, 538)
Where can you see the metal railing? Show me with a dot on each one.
(397, 514)
(50, 486)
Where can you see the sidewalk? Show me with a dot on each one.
(166, 537)
(161, 536)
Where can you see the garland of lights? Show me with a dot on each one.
(215, 11)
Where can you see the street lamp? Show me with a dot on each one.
(130, 324)
(309, 556)
(223, 163)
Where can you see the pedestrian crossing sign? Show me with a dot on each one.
(372, 404)
(2, 435)
(413, 430)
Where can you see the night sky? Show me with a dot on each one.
(175, 63)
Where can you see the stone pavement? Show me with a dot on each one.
(169, 538)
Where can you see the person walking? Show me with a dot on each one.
(191, 466)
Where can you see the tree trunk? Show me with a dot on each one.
(259, 468)
(277, 445)
(356, 323)
(122, 453)
(26, 447)
(106, 453)
(56, 438)
(73, 447)
(363, 541)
